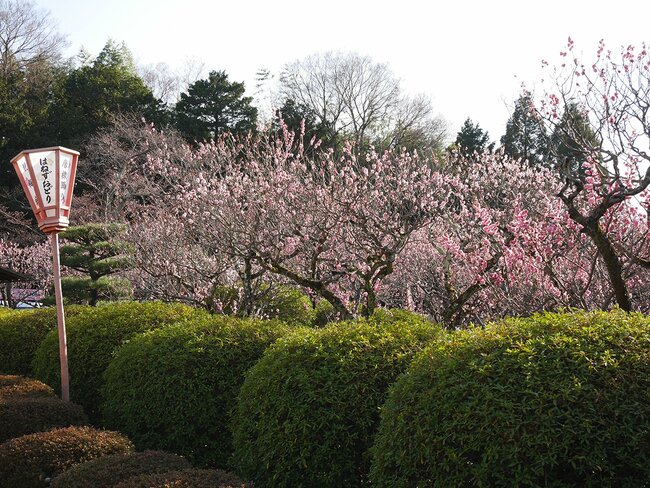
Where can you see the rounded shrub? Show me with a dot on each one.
(21, 333)
(289, 305)
(93, 336)
(324, 313)
(308, 410)
(32, 460)
(189, 478)
(555, 400)
(13, 387)
(21, 416)
(174, 388)
(389, 315)
(107, 471)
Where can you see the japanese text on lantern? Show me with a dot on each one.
(47, 185)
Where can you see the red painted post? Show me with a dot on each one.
(60, 319)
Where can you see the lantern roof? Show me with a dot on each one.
(43, 149)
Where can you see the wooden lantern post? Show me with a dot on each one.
(47, 177)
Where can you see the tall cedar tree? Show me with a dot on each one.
(526, 137)
(572, 141)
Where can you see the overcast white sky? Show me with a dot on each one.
(469, 56)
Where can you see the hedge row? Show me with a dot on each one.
(32, 460)
(107, 471)
(189, 478)
(14, 386)
(21, 333)
(174, 388)
(93, 336)
(554, 401)
(28, 406)
(308, 410)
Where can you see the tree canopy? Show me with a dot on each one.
(526, 137)
(472, 139)
(213, 106)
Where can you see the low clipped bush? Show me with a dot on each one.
(308, 410)
(555, 400)
(107, 471)
(190, 478)
(92, 339)
(4, 311)
(14, 386)
(174, 388)
(324, 313)
(21, 416)
(394, 315)
(32, 460)
(289, 305)
(22, 331)
(280, 302)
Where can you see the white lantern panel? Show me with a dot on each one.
(22, 166)
(44, 164)
(50, 213)
(65, 166)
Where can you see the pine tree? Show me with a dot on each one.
(95, 251)
(213, 106)
(472, 139)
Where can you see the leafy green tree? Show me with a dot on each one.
(30, 53)
(526, 137)
(472, 139)
(95, 251)
(90, 94)
(214, 106)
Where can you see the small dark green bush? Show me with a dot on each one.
(308, 410)
(21, 416)
(107, 471)
(93, 336)
(32, 460)
(189, 478)
(271, 302)
(390, 315)
(13, 387)
(289, 305)
(174, 388)
(324, 313)
(556, 400)
(22, 331)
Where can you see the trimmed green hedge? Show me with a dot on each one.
(22, 331)
(21, 416)
(289, 305)
(32, 460)
(12, 386)
(93, 336)
(308, 410)
(107, 471)
(4, 311)
(556, 400)
(174, 388)
(189, 478)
